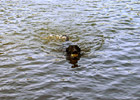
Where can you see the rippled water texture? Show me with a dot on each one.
(33, 67)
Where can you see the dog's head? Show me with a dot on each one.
(73, 51)
(73, 54)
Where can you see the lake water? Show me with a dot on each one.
(32, 66)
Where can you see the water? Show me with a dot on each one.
(33, 66)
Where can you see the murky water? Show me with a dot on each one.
(33, 67)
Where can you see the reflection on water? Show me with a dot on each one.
(34, 66)
(73, 61)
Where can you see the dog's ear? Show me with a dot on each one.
(78, 49)
(67, 49)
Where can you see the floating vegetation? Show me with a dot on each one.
(93, 24)
(138, 13)
(1, 53)
(131, 18)
(30, 58)
(54, 38)
(19, 67)
(131, 9)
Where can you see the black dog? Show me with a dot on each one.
(73, 52)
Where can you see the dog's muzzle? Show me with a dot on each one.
(74, 55)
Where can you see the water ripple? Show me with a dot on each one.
(34, 66)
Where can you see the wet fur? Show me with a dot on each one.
(73, 49)
(73, 53)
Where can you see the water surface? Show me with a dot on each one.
(34, 67)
